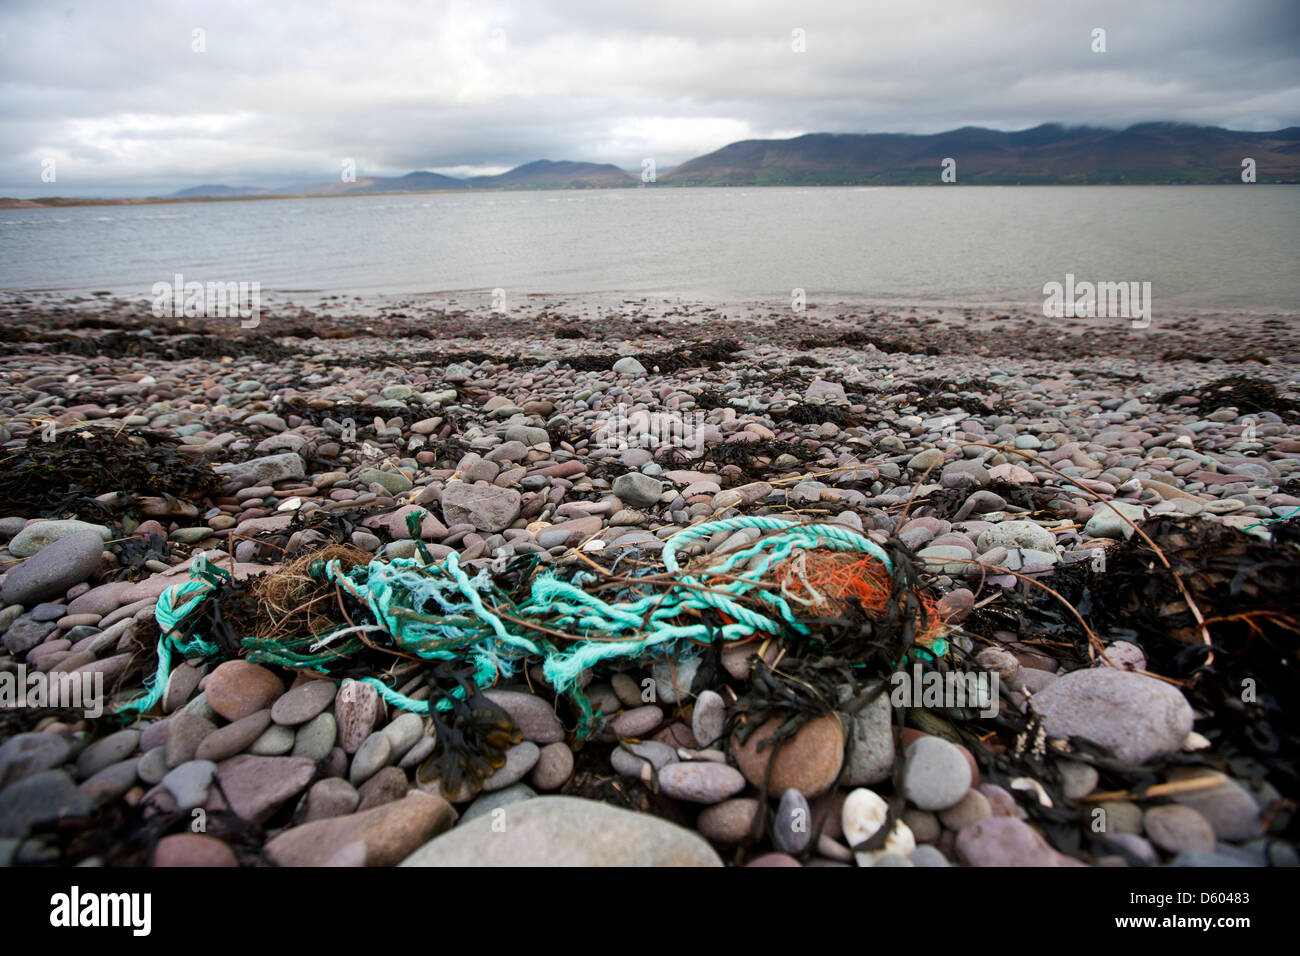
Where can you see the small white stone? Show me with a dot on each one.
(864, 813)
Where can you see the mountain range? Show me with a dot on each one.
(1149, 153)
(541, 174)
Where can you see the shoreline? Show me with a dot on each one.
(343, 308)
(69, 202)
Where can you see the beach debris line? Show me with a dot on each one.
(422, 610)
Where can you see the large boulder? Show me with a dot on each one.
(565, 831)
(52, 570)
(1137, 717)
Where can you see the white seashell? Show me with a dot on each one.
(864, 813)
(1033, 786)
(290, 504)
(901, 841)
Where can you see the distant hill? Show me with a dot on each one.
(1147, 153)
(416, 182)
(546, 174)
(195, 192)
(541, 174)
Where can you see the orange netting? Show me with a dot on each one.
(821, 581)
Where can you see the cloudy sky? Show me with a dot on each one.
(127, 99)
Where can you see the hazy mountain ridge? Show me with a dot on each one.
(1047, 154)
(540, 174)
(1146, 153)
(1149, 153)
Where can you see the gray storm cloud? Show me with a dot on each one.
(139, 96)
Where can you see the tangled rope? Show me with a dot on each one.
(438, 612)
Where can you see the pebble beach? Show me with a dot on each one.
(993, 445)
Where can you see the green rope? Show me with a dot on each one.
(399, 593)
(1264, 521)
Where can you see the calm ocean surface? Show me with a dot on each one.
(1198, 246)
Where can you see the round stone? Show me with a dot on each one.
(631, 759)
(193, 849)
(233, 738)
(520, 759)
(971, 808)
(637, 722)
(370, 757)
(1137, 717)
(1004, 841)
(533, 717)
(300, 704)
(107, 750)
(275, 741)
(51, 571)
(237, 688)
(315, 739)
(792, 828)
(1016, 534)
(728, 822)
(188, 784)
(1176, 828)
(935, 774)
(701, 781)
(809, 762)
(709, 720)
(554, 766)
(26, 754)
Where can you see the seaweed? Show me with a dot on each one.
(881, 343)
(66, 474)
(1244, 686)
(945, 503)
(804, 413)
(200, 344)
(709, 398)
(132, 554)
(1248, 683)
(472, 738)
(1242, 392)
